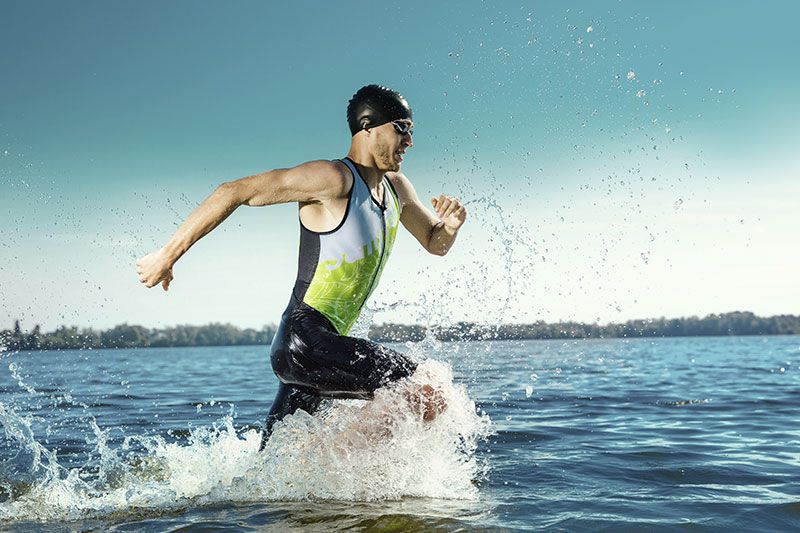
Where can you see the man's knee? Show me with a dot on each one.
(427, 402)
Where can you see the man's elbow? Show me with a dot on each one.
(227, 188)
(233, 193)
(436, 247)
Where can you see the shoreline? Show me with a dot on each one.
(5, 351)
(737, 323)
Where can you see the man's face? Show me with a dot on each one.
(391, 140)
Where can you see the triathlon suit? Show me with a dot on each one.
(338, 269)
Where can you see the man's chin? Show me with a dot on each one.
(389, 164)
(390, 167)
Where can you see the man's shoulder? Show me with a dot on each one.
(400, 182)
(398, 179)
(328, 168)
(402, 187)
(329, 175)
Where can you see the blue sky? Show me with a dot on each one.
(619, 159)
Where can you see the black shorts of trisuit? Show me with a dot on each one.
(314, 362)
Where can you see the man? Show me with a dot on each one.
(350, 210)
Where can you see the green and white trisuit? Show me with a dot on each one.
(337, 271)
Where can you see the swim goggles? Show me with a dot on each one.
(403, 128)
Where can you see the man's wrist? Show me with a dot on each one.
(171, 253)
(448, 229)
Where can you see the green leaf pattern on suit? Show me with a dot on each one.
(339, 292)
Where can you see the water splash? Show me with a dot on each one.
(349, 451)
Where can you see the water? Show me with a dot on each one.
(695, 434)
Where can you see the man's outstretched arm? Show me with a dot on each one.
(312, 182)
(436, 233)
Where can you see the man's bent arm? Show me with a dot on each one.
(435, 235)
(311, 182)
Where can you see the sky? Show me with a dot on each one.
(618, 159)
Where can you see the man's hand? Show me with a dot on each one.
(450, 211)
(155, 268)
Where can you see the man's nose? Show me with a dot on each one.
(407, 140)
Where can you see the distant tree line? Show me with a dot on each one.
(735, 323)
(133, 336)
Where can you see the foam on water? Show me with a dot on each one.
(350, 450)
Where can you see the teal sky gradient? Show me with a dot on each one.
(619, 159)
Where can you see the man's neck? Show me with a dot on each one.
(366, 167)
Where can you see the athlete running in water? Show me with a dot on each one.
(350, 210)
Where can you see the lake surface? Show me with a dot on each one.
(694, 434)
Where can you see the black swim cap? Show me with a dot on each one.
(374, 105)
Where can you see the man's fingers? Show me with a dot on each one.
(442, 205)
(438, 205)
(452, 208)
(446, 206)
(151, 282)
